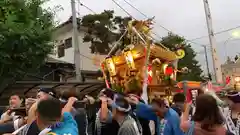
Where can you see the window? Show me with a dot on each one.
(68, 43)
(61, 51)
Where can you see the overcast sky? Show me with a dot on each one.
(183, 17)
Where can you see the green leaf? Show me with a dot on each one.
(101, 27)
(25, 33)
(188, 61)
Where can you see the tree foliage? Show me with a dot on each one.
(103, 30)
(25, 35)
(173, 42)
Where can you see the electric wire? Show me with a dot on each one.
(159, 25)
(216, 33)
(131, 5)
(81, 4)
(133, 17)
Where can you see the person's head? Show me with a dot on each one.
(15, 101)
(45, 93)
(120, 108)
(179, 98)
(207, 112)
(48, 112)
(159, 106)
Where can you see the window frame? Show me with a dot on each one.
(61, 46)
(68, 43)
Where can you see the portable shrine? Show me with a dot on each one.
(152, 65)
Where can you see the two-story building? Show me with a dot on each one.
(58, 71)
(64, 47)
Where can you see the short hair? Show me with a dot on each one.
(159, 101)
(20, 97)
(179, 97)
(207, 112)
(49, 110)
(49, 91)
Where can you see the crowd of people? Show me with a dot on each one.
(111, 113)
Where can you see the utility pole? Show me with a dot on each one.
(216, 64)
(76, 42)
(206, 58)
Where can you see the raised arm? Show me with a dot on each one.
(146, 112)
(104, 112)
(142, 110)
(32, 113)
(68, 107)
(184, 121)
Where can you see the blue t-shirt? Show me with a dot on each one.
(68, 127)
(170, 125)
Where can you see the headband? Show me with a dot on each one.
(119, 108)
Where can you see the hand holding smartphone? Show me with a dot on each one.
(20, 111)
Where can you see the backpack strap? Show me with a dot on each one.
(191, 129)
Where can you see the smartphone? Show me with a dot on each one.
(20, 111)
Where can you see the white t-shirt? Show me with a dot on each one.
(16, 119)
(12, 116)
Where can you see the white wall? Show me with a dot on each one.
(87, 62)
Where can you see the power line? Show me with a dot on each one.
(123, 9)
(191, 40)
(133, 17)
(224, 41)
(78, 9)
(79, 14)
(81, 4)
(216, 33)
(146, 15)
(155, 21)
